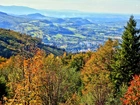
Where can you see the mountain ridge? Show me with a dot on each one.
(18, 9)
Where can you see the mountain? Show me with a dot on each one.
(13, 43)
(2, 13)
(8, 21)
(34, 16)
(23, 10)
(19, 10)
(36, 24)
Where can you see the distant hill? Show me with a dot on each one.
(34, 16)
(35, 24)
(9, 21)
(2, 13)
(23, 10)
(13, 43)
(18, 10)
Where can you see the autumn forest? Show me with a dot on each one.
(108, 76)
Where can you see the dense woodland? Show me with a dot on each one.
(108, 76)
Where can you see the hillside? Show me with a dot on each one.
(12, 43)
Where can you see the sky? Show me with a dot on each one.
(99, 6)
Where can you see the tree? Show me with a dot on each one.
(95, 75)
(59, 83)
(127, 58)
(23, 78)
(37, 80)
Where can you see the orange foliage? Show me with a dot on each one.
(132, 96)
(24, 78)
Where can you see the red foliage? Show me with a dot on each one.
(132, 96)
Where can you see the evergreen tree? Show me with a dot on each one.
(127, 59)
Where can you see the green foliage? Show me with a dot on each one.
(3, 87)
(71, 82)
(116, 100)
(2, 59)
(99, 90)
(77, 62)
(127, 59)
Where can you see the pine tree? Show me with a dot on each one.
(127, 59)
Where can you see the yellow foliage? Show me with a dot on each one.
(95, 73)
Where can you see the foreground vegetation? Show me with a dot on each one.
(109, 76)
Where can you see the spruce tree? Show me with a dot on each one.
(127, 59)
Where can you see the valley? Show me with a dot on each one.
(79, 33)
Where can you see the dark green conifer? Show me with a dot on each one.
(127, 58)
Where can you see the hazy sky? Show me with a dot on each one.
(108, 6)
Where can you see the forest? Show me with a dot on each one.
(108, 76)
